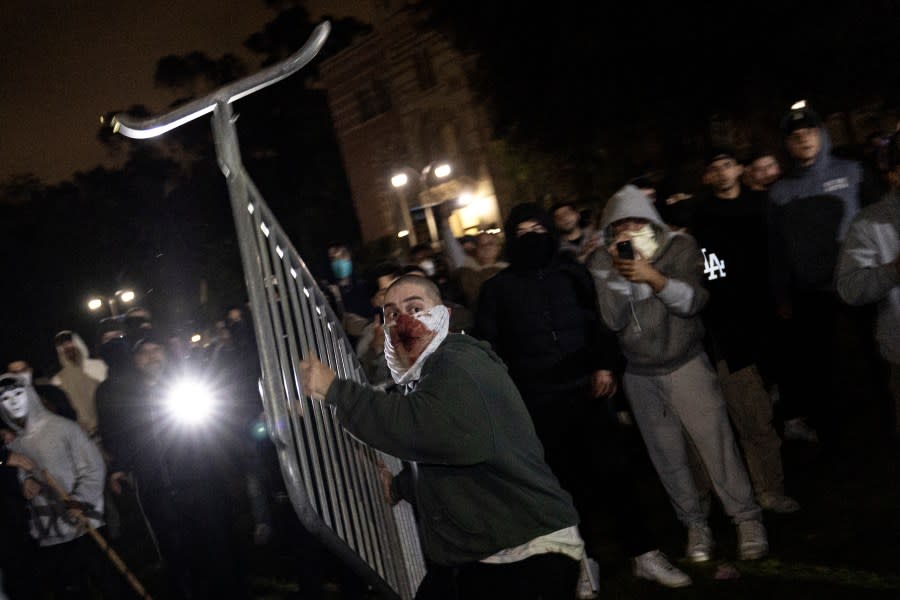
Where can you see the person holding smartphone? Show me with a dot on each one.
(650, 291)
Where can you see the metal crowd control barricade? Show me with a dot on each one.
(332, 478)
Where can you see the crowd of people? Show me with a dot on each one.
(502, 369)
(719, 315)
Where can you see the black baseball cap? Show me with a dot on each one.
(719, 153)
(800, 116)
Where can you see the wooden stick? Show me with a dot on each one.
(101, 541)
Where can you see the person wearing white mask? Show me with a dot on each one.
(650, 289)
(492, 515)
(59, 450)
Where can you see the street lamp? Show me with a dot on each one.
(125, 296)
(400, 180)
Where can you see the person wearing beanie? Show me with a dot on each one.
(650, 288)
(810, 211)
(868, 270)
(729, 224)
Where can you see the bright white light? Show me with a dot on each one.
(442, 170)
(196, 338)
(465, 199)
(279, 251)
(306, 292)
(293, 273)
(127, 296)
(95, 303)
(399, 180)
(800, 104)
(403, 233)
(250, 208)
(264, 228)
(190, 401)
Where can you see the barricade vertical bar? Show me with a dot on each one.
(331, 477)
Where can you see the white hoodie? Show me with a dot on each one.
(79, 381)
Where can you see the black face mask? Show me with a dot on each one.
(533, 250)
(115, 352)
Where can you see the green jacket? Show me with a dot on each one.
(480, 482)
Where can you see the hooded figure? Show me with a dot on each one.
(79, 377)
(811, 207)
(60, 447)
(653, 302)
(634, 309)
(537, 247)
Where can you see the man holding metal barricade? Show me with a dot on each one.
(493, 519)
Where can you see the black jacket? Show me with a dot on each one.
(544, 324)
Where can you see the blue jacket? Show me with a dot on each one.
(810, 211)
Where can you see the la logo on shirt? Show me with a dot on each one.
(713, 267)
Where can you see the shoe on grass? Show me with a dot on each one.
(752, 540)
(778, 503)
(699, 543)
(654, 566)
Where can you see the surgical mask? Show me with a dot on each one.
(427, 265)
(341, 267)
(644, 241)
(15, 402)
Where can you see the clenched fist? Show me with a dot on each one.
(315, 378)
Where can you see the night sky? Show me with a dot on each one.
(65, 63)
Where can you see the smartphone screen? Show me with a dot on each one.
(625, 250)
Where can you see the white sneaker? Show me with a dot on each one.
(656, 567)
(778, 503)
(752, 540)
(589, 580)
(699, 544)
(800, 431)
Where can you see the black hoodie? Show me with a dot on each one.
(540, 314)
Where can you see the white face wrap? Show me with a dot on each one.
(644, 241)
(437, 320)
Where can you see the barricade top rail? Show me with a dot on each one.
(155, 126)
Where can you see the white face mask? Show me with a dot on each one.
(427, 265)
(644, 241)
(437, 320)
(15, 402)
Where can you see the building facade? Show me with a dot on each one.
(400, 102)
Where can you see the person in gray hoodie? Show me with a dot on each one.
(810, 211)
(868, 269)
(59, 450)
(653, 302)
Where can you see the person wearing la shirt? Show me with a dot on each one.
(730, 228)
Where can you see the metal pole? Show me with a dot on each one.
(407, 219)
(432, 224)
(101, 541)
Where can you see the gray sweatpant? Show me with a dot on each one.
(689, 400)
